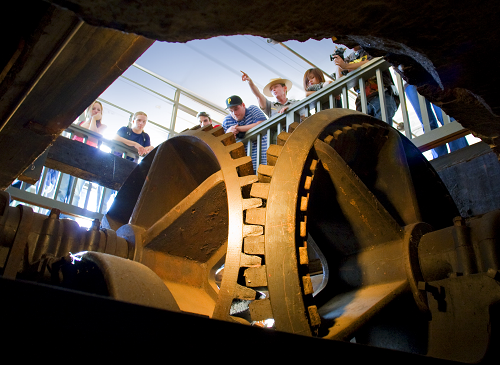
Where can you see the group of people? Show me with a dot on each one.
(242, 118)
(132, 135)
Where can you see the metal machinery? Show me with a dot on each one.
(347, 234)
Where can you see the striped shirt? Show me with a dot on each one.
(252, 115)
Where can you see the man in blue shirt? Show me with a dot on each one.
(240, 120)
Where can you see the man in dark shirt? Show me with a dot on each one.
(135, 136)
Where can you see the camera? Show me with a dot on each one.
(339, 51)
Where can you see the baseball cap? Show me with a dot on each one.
(233, 101)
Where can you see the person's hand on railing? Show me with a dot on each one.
(148, 149)
(283, 110)
(233, 129)
(140, 150)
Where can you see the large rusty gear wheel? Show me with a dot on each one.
(188, 223)
(354, 194)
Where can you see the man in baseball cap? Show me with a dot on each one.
(277, 88)
(240, 120)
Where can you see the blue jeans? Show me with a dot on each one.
(411, 93)
(373, 107)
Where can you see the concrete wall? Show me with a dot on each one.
(472, 176)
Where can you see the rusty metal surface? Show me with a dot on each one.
(337, 238)
(187, 225)
(130, 281)
(345, 180)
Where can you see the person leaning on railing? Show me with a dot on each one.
(358, 58)
(277, 88)
(134, 136)
(93, 122)
(240, 120)
(315, 81)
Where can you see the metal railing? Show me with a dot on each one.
(93, 203)
(326, 98)
(175, 101)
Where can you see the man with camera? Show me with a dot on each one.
(352, 62)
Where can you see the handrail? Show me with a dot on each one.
(356, 78)
(339, 87)
(115, 146)
(271, 127)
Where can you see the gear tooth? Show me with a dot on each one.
(256, 216)
(307, 285)
(244, 293)
(282, 138)
(308, 182)
(273, 152)
(256, 276)
(265, 173)
(303, 256)
(217, 131)
(337, 134)
(244, 165)
(236, 150)
(251, 203)
(292, 127)
(344, 144)
(303, 228)
(250, 260)
(254, 245)
(227, 139)
(252, 230)
(260, 190)
(314, 164)
(328, 139)
(304, 201)
(206, 128)
(260, 310)
(248, 180)
(314, 318)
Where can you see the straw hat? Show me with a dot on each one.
(267, 88)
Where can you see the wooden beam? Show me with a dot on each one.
(88, 163)
(62, 68)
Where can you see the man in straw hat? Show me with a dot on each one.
(277, 88)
